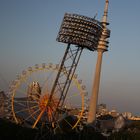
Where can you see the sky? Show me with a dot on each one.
(28, 31)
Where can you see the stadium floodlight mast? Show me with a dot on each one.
(82, 31)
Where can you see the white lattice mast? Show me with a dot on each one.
(102, 47)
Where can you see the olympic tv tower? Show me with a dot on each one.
(102, 47)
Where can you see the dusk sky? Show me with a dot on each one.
(28, 31)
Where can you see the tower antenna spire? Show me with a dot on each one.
(105, 15)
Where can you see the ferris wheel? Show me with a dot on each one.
(30, 98)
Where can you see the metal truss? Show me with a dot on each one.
(68, 66)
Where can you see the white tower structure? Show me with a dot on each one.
(102, 47)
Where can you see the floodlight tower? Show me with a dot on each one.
(102, 47)
(83, 32)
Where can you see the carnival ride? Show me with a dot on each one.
(29, 95)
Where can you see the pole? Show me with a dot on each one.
(102, 46)
(95, 89)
